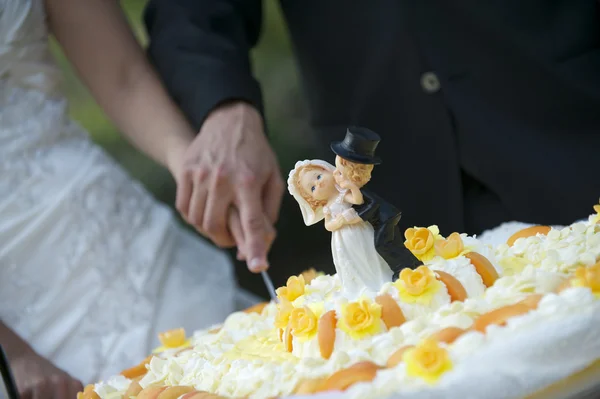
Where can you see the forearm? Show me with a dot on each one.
(201, 50)
(354, 197)
(357, 197)
(13, 345)
(97, 40)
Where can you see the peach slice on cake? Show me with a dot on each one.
(137, 371)
(532, 301)
(287, 339)
(484, 268)
(309, 386)
(455, 289)
(151, 392)
(200, 395)
(344, 379)
(258, 308)
(391, 314)
(528, 232)
(88, 393)
(397, 356)
(500, 316)
(174, 392)
(448, 335)
(326, 333)
(134, 388)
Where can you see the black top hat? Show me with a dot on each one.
(358, 146)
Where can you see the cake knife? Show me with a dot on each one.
(270, 286)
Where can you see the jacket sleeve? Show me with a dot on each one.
(201, 50)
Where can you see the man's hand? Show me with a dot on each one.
(230, 164)
(37, 378)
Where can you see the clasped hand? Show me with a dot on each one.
(229, 186)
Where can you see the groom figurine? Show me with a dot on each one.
(358, 148)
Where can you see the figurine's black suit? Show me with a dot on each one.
(359, 147)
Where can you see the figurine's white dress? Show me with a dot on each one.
(91, 266)
(356, 261)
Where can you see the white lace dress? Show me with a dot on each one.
(91, 266)
(356, 261)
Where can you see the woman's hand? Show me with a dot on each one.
(335, 224)
(37, 378)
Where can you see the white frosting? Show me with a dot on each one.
(246, 358)
(113, 388)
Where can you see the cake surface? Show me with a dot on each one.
(499, 317)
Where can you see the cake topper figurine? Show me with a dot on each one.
(359, 266)
(355, 159)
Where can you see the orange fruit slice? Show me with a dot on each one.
(344, 379)
(172, 338)
(484, 268)
(258, 308)
(287, 339)
(397, 356)
(134, 388)
(200, 395)
(391, 313)
(528, 232)
(448, 334)
(499, 316)
(309, 386)
(88, 393)
(137, 371)
(455, 289)
(326, 333)
(151, 392)
(563, 286)
(532, 301)
(174, 392)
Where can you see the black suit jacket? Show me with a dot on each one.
(388, 239)
(512, 130)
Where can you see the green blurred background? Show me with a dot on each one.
(291, 137)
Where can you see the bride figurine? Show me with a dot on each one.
(359, 266)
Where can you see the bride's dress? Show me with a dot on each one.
(91, 267)
(357, 263)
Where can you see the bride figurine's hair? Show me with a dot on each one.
(314, 204)
(312, 210)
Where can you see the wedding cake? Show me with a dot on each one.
(500, 316)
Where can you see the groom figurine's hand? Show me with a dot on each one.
(230, 164)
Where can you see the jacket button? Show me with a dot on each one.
(430, 82)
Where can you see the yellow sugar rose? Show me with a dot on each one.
(420, 241)
(588, 277)
(450, 247)
(303, 322)
(310, 274)
(417, 286)
(360, 319)
(293, 289)
(428, 361)
(172, 339)
(284, 311)
(597, 217)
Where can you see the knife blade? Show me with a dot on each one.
(269, 285)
